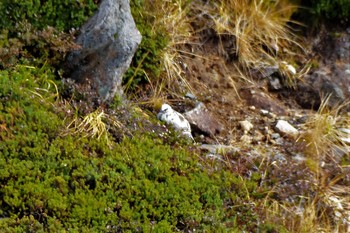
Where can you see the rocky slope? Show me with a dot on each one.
(237, 119)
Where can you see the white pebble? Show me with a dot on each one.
(246, 126)
(287, 129)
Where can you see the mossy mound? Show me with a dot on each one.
(53, 180)
(61, 14)
(316, 13)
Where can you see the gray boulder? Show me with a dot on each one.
(108, 42)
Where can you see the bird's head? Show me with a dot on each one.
(165, 108)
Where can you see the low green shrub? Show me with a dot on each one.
(51, 181)
(61, 14)
(316, 12)
(331, 9)
(39, 47)
(38, 31)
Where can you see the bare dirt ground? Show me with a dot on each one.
(232, 97)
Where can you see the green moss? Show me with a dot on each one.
(329, 12)
(332, 9)
(37, 31)
(52, 181)
(61, 14)
(272, 228)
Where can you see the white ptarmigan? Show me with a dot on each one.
(175, 119)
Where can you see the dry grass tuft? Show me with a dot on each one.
(171, 16)
(325, 143)
(258, 29)
(317, 214)
(93, 125)
(326, 208)
(326, 133)
(259, 32)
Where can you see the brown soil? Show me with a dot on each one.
(231, 97)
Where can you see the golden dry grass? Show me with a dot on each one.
(322, 213)
(93, 125)
(328, 209)
(260, 28)
(171, 16)
(325, 135)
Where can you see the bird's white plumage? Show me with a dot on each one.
(175, 119)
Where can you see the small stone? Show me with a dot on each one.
(246, 126)
(286, 129)
(262, 100)
(189, 95)
(289, 68)
(279, 141)
(268, 71)
(267, 131)
(334, 92)
(271, 115)
(264, 112)
(299, 158)
(218, 149)
(246, 139)
(253, 107)
(345, 135)
(302, 119)
(175, 119)
(275, 84)
(275, 135)
(258, 136)
(279, 157)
